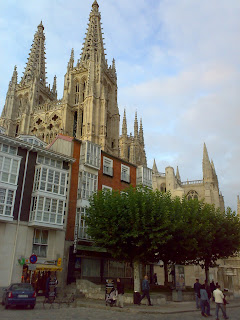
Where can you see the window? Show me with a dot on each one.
(7, 198)
(50, 180)
(106, 188)
(82, 227)
(40, 242)
(93, 154)
(8, 149)
(125, 173)
(49, 162)
(88, 185)
(108, 166)
(192, 195)
(47, 210)
(9, 168)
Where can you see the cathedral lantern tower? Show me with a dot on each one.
(90, 91)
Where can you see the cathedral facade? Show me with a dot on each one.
(206, 189)
(88, 109)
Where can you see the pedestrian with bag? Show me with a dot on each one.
(218, 296)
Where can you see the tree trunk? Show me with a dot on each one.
(207, 272)
(136, 276)
(165, 273)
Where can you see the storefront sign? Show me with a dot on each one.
(32, 267)
(75, 238)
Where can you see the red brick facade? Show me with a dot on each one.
(73, 191)
(115, 181)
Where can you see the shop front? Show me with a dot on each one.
(38, 273)
(96, 265)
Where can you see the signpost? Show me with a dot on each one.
(33, 258)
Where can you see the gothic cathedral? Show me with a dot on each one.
(88, 109)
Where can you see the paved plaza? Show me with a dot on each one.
(100, 312)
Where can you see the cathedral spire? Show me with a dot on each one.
(124, 124)
(141, 138)
(36, 62)
(178, 174)
(136, 126)
(13, 81)
(93, 45)
(71, 60)
(206, 165)
(154, 169)
(54, 87)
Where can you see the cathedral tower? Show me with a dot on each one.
(90, 91)
(30, 92)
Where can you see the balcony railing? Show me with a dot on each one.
(193, 182)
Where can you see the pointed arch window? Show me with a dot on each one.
(192, 195)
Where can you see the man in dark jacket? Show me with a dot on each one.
(145, 290)
(120, 293)
(197, 287)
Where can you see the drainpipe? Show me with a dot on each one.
(19, 215)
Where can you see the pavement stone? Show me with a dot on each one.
(89, 309)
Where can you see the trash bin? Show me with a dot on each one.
(136, 297)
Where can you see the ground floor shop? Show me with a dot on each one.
(38, 274)
(96, 265)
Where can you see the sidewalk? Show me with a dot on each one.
(168, 308)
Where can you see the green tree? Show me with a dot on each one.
(181, 245)
(130, 224)
(217, 236)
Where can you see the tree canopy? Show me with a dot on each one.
(141, 226)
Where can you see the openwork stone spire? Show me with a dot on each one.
(154, 168)
(178, 175)
(136, 126)
(141, 137)
(124, 124)
(36, 62)
(93, 44)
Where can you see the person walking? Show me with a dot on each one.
(205, 302)
(197, 287)
(218, 296)
(155, 279)
(120, 293)
(212, 288)
(145, 290)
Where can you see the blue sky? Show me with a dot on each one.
(178, 65)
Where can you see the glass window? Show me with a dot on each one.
(47, 210)
(125, 173)
(82, 227)
(50, 180)
(40, 242)
(88, 184)
(9, 168)
(93, 155)
(6, 202)
(108, 166)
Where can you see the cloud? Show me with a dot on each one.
(177, 65)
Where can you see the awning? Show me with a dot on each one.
(47, 267)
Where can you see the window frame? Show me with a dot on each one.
(107, 166)
(125, 173)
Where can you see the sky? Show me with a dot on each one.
(178, 66)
